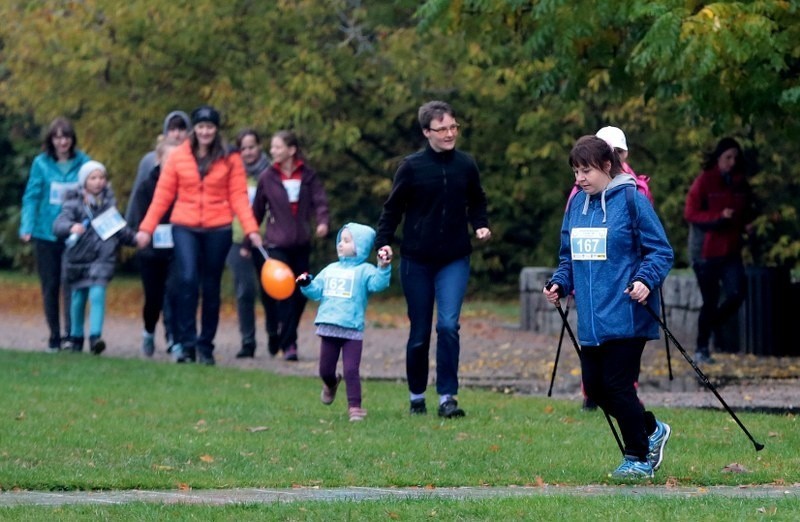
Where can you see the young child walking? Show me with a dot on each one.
(343, 289)
(94, 228)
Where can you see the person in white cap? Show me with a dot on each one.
(94, 228)
(616, 138)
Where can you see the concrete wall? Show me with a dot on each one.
(761, 326)
(681, 298)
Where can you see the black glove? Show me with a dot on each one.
(304, 279)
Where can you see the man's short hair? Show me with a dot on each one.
(433, 110)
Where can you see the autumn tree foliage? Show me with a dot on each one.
(526, 78)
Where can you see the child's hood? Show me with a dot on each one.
(363, 238)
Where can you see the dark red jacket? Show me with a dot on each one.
(711, 193)
(271, 204)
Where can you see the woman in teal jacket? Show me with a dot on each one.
(614, 254)
(53, 173)
(343, 289)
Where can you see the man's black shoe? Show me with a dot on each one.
(247, 351)
(449, 409)
(418, 407)
(206, 359)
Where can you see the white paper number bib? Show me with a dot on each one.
(339, 283)
(108, 223)
(588, 244)
(58, 190)
(162, 236)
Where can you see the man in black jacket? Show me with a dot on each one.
(439, 191)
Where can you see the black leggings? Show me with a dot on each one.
(609, 373)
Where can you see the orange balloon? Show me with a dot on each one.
(277, 279)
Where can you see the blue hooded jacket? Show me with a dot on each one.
(42, 199)
(605, 312)
(343, 287)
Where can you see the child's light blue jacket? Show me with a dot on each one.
(344, 287)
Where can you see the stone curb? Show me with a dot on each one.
(358, 494)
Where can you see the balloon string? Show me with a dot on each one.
(263, 252)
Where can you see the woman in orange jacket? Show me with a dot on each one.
(208, 187)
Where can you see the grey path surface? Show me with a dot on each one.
(493, 356)
(357, 494)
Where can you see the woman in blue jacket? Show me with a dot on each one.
(611, 239)
(343, 289)
(53, 173)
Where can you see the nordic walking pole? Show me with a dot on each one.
(558, 350)
(700, 373)
(666, 337)
(547, 285)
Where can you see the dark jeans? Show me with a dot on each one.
(244, 284)
(283, 316)
(609, 373)
(351, 362)
(199, 261)
(713, 275)
(49, 265)
(423, 284)
(157, 276)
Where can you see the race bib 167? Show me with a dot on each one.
(588, 244)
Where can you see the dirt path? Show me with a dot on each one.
(494, 356)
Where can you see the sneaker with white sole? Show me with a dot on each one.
(148, 344)
(657, 440)
(633, 469)
(357, 414)
(328, 393)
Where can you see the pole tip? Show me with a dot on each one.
(758, 446)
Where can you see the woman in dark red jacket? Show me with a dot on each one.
(289, 196)
(719, 207)
(208, 186)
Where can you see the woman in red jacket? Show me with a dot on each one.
(208, 186)
(719, 207)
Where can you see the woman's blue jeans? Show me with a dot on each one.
(199, 261)
(423, 285)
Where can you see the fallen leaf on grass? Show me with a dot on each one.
(770, 510)
(183, 486)
(159, 467)
(20, 416)
(207, 458)
(735, 467)
(549, 409)
(672, 482)
(256, 429)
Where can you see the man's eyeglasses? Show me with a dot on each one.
(441, 131)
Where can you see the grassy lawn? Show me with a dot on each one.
(75, 422)
(642, 509)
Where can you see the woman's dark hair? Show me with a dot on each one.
(63, 127)
(591, 151)
(723, 145)
(290, 139)
(216, 151)
(245, 133)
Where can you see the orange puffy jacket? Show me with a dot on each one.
(206, 202)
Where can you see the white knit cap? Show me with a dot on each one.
(614, 137)
(87, 168)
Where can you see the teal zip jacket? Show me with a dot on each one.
(44, 194)
(343, 287)
(600, 227)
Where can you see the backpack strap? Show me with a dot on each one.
(633, 212)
